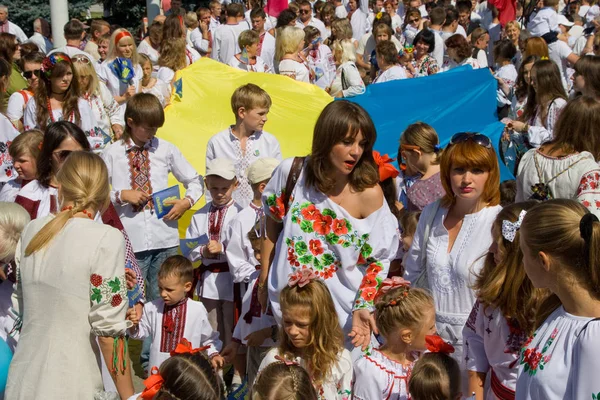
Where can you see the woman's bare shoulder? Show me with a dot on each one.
(371, 199)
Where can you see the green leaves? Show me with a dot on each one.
(327, 259)
(332, 238)
(96, 295)
(115, 285)
(306, 226)
(329, 212)
(366, 250)
(301, 249)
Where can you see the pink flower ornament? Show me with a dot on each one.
(302, 277)
(391, 283)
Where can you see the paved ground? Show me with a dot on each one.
(135, 347)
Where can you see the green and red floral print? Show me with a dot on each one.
(106, 290)
(534, 360)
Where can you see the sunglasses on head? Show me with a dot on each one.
(81, 59)
(478, 138)
(30, 74)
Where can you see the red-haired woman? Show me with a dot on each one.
(455, 232)
(459, 53)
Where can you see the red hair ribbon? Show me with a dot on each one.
(180, 18)
(153, 384)
(436, 344)
(120, 36)
(384, 164)
(287, 362)
(186, 347)
(391, 283)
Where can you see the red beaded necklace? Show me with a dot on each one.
(70, 118)
(85, 212)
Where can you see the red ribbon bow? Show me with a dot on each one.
(287, 362)
(153, 384)
(436, 344)
(389, 284)
(384, 164)
(186, 347)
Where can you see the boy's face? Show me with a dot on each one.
(172, 289)
(220, 189)
(254, 119)
(258, 24)
(141, 133)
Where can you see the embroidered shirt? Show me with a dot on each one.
(7, 134)
(378, 377)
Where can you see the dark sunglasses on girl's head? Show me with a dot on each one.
(30, 74)
(478, 138)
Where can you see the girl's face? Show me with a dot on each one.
(345, 155)
(252, 50)
(32, 70)
(141, 133)
(512, 33)
(103, 49)
(482, 42)
(84, 82)
(389, 8)
(60, 154)
(421, 48)
(17, 54)
(495, 247)
(381, 37)
(296, 325)
(427, 328)
(414, 20)
(147, 69)
(353, 5)
(125, 48)
(61, 84)
(26, 166)
(468, 183)
(527, 73)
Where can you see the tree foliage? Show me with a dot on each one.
(23, 13)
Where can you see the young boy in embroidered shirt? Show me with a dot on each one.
(174, 316)
(245, 142)
(215, 286)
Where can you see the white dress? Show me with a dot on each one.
(561, 360)
(240, 254)
(451, 274)
(337, 385)
(579, 177)
(106, 112)
(508, 74)
(391, 74)
(68, 293)
(378, 377)
(295, 70)
(167, 325)
(492, 346)
(7, 134)
(348, 253)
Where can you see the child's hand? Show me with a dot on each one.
(230, 351)
(257, 338)
(130, 278)
(179, 207)
(132, 316)
(134, 197)
(214, 248)
(363, 323)
(217, 362)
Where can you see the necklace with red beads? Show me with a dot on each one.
(70, 118)
(85, 212)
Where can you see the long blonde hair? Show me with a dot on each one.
(83, 69)
(83, 181)
(326, 339)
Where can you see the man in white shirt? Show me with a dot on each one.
(38, 38)
(74, 31)
(266, 44)
(215, 11)
(225, 37)
(437, 16)
(9, 27)
(451, 25)
(98, 29)
(306, 19)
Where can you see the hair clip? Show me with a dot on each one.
(50, 61)
(389, 284)
(379, 15)
(384, 164)
(287, 362)
(302, 277)
(153, 384)
(436, 344)
(510, 229)
(544, 58)
(437, 148)
(184, 347)
(409, 48)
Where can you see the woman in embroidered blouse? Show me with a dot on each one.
(560, 240)
(460, 232)
(459, 53)
(150, 46)
(288, 55)
(413, 24)
(545, 101)
(336, 223)
(104, 107)
(521, 89)
(567, 165)
(92, 256)
(424, 63)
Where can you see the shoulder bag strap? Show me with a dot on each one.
(292, 178)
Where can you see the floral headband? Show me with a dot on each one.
(436, 344)
(50, 61)
(384, 164)
(510, 229)
(302, 277)
(389, 284)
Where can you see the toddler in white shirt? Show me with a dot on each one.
(544, 23)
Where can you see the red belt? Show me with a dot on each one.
(501, 391)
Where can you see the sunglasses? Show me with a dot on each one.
(304, 11)
(412, 21)
(62, 154)
(30, 74)
(82, 60)
(478, 138)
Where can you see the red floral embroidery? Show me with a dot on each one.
(370, 280)
(310, 213)
(116, 300)
(322, 225)
(374, 269)
(315, 247)
(96, 280)
(278, 209)
(340, 227)
(368, 294)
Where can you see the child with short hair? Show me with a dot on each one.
(245, 142)
(248, 59)
(404, 316)
(504, 52)
(103, 45)
(480, 39)
(283, 380)
(312, 337)
(504, 313)
(215, 284)
(174, 316)
(24, 151)
(544, 23)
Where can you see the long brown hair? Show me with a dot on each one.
(8, 46)
(506, 285)
(172, 54)
(44, 88)
(588, 67)
(337, 121)
(549, 87)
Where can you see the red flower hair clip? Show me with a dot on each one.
(436, 344)
(153, 384)
(384, 164)
(302, 277)
(391, 283)
(186, 347)
(287, 362)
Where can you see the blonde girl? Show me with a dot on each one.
(311, 336)
(503, 315)
(149, 84)
(560, 241)
(24, 151)
(404, 317)
(283, 380)
(91, 255)
(104, 107)
(288, 55)
(420, 150)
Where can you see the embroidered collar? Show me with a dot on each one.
(150, 145)
(233, 138)
(255, 207)
(179, 303)
(216, 207)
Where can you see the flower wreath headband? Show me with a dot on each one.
(50, 62)
(393, 283)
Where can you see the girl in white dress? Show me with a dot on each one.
(311, 336)
(319, 57)
(283, 379)
(503, 315)
(559, 240)
(149, 84)
(448, 258)
(404, 317)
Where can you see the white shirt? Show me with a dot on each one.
(508, 73)
(317, 24)
(482, 58)
(226, 145)
(196, 329)
(240, 254)
(214, 24)
(267, 50)
(558, 52)
(542, 22)
(391, 74)
(106, 111)
(71, 51)
(322, 63)
(198, 42)
(225, 41)
(16, 105)
(260, 65)
(341, 12)
(9, 191)
(17, 31)
(165, 74)
(146, 48)
(191, 55)
(41, 41)
(360, 24)
(296, 70)
(214, 285)
(439, 50)
(7, 134)
(114, 85)
(378, 377)
(145, 230)
(44, 199)
(348, 80)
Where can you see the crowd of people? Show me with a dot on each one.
(340, 274)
